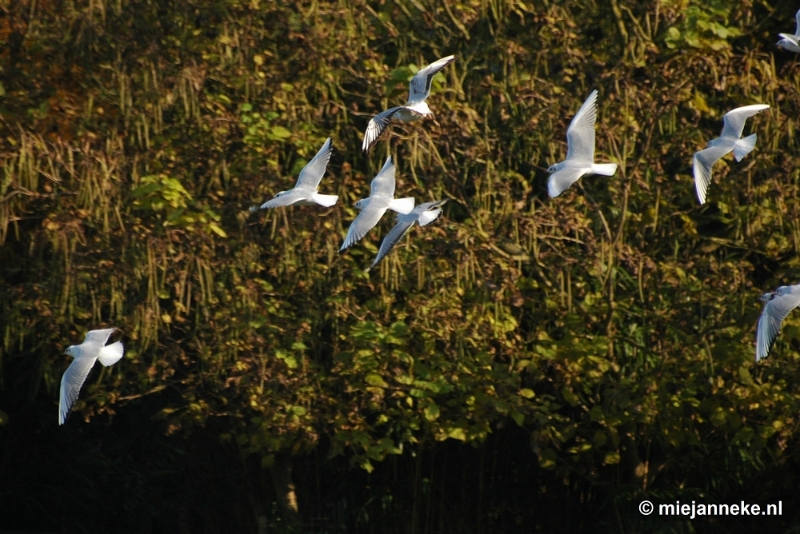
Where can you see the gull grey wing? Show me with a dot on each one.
(420, 87)
(562, 179)
(362, 224)
(404, 224)
(312, 173)
(580, 134)
(769, 325)
(287, 198)
(424, 214)
(797, 20)
(734, 120)
(98, 336)
(377, 125)
(701, 167)
(384, 182)
(71, 383)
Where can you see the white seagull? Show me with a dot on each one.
(729, 140)
(778, 305)
(305, 190)
(93, 348)
(580, 151)
(791, 42)
(424, 214)
(372, 208)
(416, 108)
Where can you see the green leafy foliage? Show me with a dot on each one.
(702, 26)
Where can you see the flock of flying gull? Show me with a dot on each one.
(579, 162)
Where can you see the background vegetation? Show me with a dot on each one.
(520, 356)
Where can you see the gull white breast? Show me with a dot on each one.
(778, 304)
(730, 140)
(580, 151)
(416, 108)
(92, 349)
(304, 192)
(424, 214)
(789, 41)
(373, 207)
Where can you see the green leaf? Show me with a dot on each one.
(290, 361)
(745, 376)
(432, 412)
(518, 418)
(217, 230)
(457, 433)
(367, 466)
(376, 380)
(570, 396)
(279, 133)
(547, 459)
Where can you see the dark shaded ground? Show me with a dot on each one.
(130, 477)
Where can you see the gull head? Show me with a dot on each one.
(788, 44)
(554, 167)
(766, 297)
(361, 204)
(280, 194)
(71, 351)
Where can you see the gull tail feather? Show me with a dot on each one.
(429, 216)
(606, 169)
(402, 205)
(111, 354)
(326, 200)
(744, 146)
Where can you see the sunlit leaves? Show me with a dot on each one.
(260, 128)
(702, 26)
(163, 194)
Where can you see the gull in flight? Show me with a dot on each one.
(93, 348)
(416, 108)
(791, 42)
(580, 151)
(778, 305)
(305, 190)
(729, 140)
(380, 199)
(424, 214)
